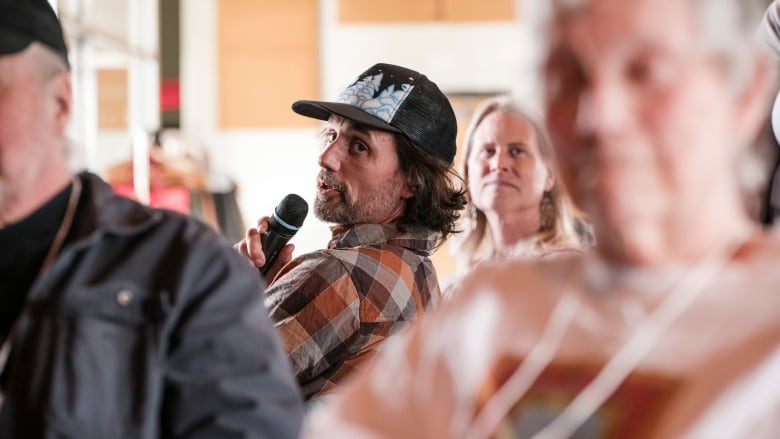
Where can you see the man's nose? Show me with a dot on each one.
(330, 156)
(603, 108)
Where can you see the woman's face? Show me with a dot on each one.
(506, 172)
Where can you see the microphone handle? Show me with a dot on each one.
(273, 242)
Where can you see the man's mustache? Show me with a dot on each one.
(326, 178)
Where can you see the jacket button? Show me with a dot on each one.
(124, 297)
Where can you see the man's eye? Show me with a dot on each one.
(359, 147)
(639, 72)
(652, 73)
(562, 84)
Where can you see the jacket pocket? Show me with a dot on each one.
(107, 377)
(120, 302)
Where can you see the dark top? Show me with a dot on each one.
(146, 325)
(24, 246)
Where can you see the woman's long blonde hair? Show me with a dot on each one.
(561, 224)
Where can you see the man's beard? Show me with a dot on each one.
(346, 210)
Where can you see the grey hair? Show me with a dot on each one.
(49, 64)
(728, 28)
(728, 32)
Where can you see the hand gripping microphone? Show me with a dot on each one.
(283, 224)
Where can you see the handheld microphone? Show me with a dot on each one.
(287, 218)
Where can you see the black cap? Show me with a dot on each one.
(25, 21)
(396, 99)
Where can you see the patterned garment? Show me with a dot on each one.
(334, 307)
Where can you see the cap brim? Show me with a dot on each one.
(12, 42)
(323, 111)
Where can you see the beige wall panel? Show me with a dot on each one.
(377, 11)
(478, 10)
(256, 92)
(264, 63)
(112, 99)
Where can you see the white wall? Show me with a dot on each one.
(115, 34)
(267, 166)
(459, 57)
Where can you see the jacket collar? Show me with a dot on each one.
(101, 210)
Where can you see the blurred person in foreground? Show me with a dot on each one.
(671, 327)
(770, 33)
(517, 207)
(116, 320)
(386, 183)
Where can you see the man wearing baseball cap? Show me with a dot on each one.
(386, 183)
(116, 320)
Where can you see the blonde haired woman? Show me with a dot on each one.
(516, 206)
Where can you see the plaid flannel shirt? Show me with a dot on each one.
(334, 307)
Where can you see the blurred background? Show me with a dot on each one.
(186, 103)
(214, 79)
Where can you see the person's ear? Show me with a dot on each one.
(409, 190)
(62, 94)
(549, 182)
(753, 102)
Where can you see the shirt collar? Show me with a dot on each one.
(418, 239)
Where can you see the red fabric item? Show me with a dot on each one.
(173, 198)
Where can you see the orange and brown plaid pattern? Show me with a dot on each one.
(334, 307)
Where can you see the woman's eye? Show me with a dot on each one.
(516, 151)
(487, 152)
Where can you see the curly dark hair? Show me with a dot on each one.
(440, 193)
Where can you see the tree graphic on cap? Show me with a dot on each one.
(366, 95)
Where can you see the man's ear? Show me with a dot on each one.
(62, 93)
(409, 190)
(753, 103)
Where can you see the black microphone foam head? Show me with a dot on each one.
(292, 210)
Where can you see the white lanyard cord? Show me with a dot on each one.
(682, 294)
(635, 349)
(534, 364)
